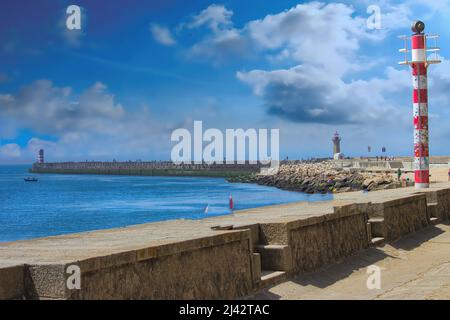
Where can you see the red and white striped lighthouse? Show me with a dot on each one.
(419, 64)
(41, 156)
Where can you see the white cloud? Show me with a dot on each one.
(6, 99)
(400, 14)
(162, 35)
(328, 35)
(215, 17)
(325, 34)
(50, 110)
(315, 33)
(10, 150)
(309, 94)
(220, 47)
(91, 123)
(323, 42)
(318, 33)
(223, 40)
(439, 85)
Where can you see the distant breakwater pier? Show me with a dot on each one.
(147, 168)
(313, 176)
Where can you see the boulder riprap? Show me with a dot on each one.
(320, 177)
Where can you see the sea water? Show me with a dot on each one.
(61, 204)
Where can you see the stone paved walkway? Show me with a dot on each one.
(415, 267)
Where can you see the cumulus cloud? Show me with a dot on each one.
(89, 123)
(309, 94)
(323, 43)
(50, 110)
(10, 150)
(312, 32)
(221, 47)
(325, 35)
(162, 35)
(398, 15)
(440, 84)
(315, 49)
(215, 17)
(223, 40)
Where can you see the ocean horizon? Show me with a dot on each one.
(69, 203)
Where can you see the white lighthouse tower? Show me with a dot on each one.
(337, 146)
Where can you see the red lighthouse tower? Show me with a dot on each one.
(41, 156)
(419, 64)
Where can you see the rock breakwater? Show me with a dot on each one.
(321, 177)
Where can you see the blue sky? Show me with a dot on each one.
(140, 69)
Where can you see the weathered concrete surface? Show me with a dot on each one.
(401, 216)
(441, 200)
(146, 168)
(275, 257)
(220, 271)
(320, 241)
(187, 259)
(404, 210)
(11, 281)
(415, 267)
(217, 266)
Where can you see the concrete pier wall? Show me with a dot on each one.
(321, 241)
(148, 168)
(405, 164)
(439, 203)
(214, 267)
(11, 282)
(401, 216)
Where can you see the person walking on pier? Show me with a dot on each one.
(231, 203)
(399, 174)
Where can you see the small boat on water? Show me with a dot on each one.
(30, 179)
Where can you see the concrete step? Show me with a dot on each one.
(434, 220)
(256, 265)
(377, 227)
(377, 241)
(220, 228)
(432, 209)
(271, 278)
(275, 257)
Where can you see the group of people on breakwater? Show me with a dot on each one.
(321, 177)
(98, 165)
